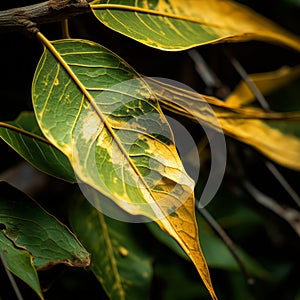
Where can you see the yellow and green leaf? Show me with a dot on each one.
(97, 110)
(178, 25)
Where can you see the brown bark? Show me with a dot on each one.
(28, 17)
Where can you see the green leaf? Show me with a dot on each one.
(90, 105)
(178, 25)
(20, 263)
(118, 261)
(30, 227)
(25, 137)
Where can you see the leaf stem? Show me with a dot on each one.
(65, 29)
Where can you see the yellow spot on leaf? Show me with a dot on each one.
(123, 251)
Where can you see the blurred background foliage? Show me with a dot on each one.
(268, 245)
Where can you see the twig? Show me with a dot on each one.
(283, 182)
(210, 79)
(228, 242)
(244, 75)
(290, 215)
(45, 12)
(11, 278)
(264, 104)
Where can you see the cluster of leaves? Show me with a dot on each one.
(81, 110)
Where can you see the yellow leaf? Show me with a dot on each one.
(273, 134)
(184, 230)
(281, 147)
(178, 25)
(265, 82)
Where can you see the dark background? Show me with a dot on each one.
(271, 241)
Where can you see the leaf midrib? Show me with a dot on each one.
(111, 255)
(154, 206)
(24, 132)
(136, 9)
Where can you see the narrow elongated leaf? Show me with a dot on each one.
(25, 137)
(265, 82)
(20, 263)
(30, 227)
(276, 135)
(118, 260)
(89, 104)
(178, 25)
(278, 140)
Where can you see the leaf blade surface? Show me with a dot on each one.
(94, 107)
(20, 263)
(177, 25)
(25, 137)
(268, 132)
(30, 227)
(118, 261)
